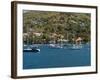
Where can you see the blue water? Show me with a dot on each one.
(53, 58)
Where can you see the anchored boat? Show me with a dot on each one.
(31, 49)
(55, 46)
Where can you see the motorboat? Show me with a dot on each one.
(31, 49)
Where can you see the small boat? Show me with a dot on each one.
(55, 46)
(31, 49)
(77, 44)
(76, 47)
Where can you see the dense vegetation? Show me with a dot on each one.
(55, 25)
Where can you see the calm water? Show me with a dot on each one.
(51, 58)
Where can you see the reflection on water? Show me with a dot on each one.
(49, 57)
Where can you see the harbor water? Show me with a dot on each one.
(57, 57)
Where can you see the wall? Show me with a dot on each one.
(5, 40)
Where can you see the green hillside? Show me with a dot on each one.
(45, 26)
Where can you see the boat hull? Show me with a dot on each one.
(35, 50)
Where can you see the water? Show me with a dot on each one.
(53, 57)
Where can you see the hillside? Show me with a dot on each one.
(55, 25)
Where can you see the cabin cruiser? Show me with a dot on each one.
(31, 49)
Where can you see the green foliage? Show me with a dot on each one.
(70, 25)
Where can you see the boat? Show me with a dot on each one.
(31, 49)
(55, 46)
(78, 44)
(76, 47)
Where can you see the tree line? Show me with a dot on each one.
(64, 25)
